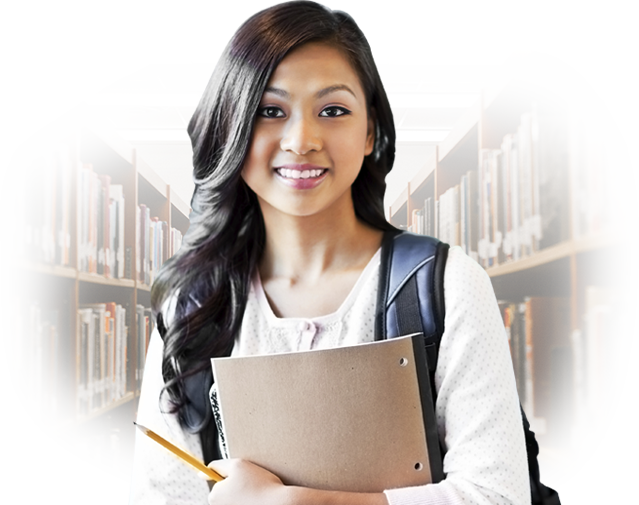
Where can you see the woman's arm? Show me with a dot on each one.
(247, 483)
(477, 405)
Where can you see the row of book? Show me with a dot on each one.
(30, 368)
(559, 372)
(27, 483)
(100, 215)
(101, 245)
(145, 327)
(98, 463)
(46, 224)
(156, 243)
(102, 367)
(604, 147)
(516, 201)
(101, 355)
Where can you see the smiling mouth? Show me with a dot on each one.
(288, 173)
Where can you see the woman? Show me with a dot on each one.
(292, 141)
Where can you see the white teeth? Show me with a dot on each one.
(297, 174)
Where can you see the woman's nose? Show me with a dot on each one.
(301, 136)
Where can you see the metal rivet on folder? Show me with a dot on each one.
(403, 362)
(418, 466)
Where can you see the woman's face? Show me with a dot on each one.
(310, 135)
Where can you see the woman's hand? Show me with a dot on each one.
(246, 484)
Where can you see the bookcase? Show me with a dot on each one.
(521, 185)
(98, 223)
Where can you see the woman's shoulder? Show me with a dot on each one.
(465, 280)
(461, 265)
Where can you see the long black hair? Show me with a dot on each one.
(208, 278)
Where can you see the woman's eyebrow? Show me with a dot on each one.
(320, 94)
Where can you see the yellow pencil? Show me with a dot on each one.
(185, 456)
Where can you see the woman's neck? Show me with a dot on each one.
(305, 249)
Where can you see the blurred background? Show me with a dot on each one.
(516, 126)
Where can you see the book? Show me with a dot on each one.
(358, 418)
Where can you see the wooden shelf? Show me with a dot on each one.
(548, 255)
(99, 279)
(465, 125)
(427, 170)
(151, 177)
(53, 270)
(130, 396)
(143, 287)
(23, 446)
(398, 203)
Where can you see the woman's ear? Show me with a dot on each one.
(370, 134)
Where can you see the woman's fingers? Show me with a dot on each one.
(222, 466)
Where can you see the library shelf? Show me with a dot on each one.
(129, 397)
(91, 140)
(47, 269)
(27, 444)
(106, 281)
(605, 258)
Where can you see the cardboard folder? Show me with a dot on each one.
(357, 418)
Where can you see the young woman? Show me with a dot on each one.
(292, 141)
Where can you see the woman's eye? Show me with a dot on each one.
(271, 112)
(334, 112)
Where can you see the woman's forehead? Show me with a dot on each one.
(315, 65)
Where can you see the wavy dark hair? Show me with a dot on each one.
(208, 278)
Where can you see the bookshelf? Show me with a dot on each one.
(599, 254)
(37, 97)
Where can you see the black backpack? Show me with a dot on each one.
(410, 300)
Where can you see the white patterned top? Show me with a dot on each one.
(477, 406)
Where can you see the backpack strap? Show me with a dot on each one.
(410, 296)
(411, 300)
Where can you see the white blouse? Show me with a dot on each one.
(477, 406)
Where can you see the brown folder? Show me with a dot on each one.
(357, 418)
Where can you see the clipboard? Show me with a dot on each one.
(356, 418)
